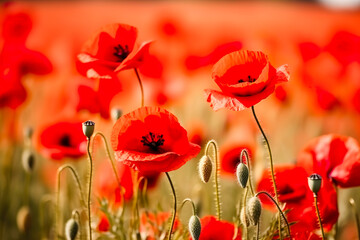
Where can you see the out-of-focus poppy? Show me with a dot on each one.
(230, 157)
(281, 94)
(111, 49)
(211, 228)
(292, 185)
(104, 224)
(16, 60)
(245, 78)
(62, 140)
(309, 50)
(154, 225)
(150, 139)
(335, 157)
(325, 99)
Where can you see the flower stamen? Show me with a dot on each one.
(154, 141)
(121, 52)
(249, 79)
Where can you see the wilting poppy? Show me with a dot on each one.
(245, 78)
(151, 139)
(111, 49)
(63, 140)
(211, 228)
(292, 185)
(335, 157)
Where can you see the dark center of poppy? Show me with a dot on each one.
(249, 79)
(65, 141)
(121, 52)
(154, 141)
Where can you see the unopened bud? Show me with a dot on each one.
(71, 229)
(23, 219)
(88, 128)
(314, 182)
(205, 168)
(115, 114)
(244, 218)
(28, 160)
(254, 210)
(242, 174)
(194, 227)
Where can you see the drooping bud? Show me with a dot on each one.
(205, 168)
(71, 229)
(194, 227)
(88, 128)
(23, 219)
(244, 218)
(115, 114)
(28, 160)
(314, 182)
(242, 174)
(254, 210)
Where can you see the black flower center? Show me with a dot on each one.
(153, 141)
(249, 79)
(65, 141)
(121, 52)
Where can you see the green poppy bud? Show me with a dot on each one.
(71, 229)
(254, 210)
(28, 160)
(242, 174)
(205, 168)
(194, 227)
(115, 114)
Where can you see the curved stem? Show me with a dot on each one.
(192, 203)
(352, 202)
(245, 153)
(90, 182)
(216, 177)
(74, 173)
(174, 213)
(282, 214)
(271, 164)
(141, 86)
(319, 218)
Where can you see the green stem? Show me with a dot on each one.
(245, 153)
(271, 165)
(353, 204)
(258, 231)
(174, 213)
(244, 206)
(44, 199)
(216, 177)
(318, 215)
(282, 214)
(90, 182)
(59, 171)
(192, 203)
(141, 87)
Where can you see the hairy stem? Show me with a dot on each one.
(318, 215)
(141, 86)
(192, 203)
(353, 204)
(90, 183)
(175, 203)
(216, 175)
(244, 206)
(271, 164)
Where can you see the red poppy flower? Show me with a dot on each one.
(104, 224)
(150, 139)
(335, 157)
(309, 50)
(154, 225)
(111, 49)
(293, 190)
(63, 139)
(245, 78)
(230, 157)
(211, 228)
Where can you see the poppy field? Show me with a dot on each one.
(179, 120)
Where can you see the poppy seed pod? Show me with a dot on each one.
(28, 160)
(242, 174)
(71, 229)
(115, 114)
(194, 227)
(244, 218)
(314, 182)
(23, 219)
(205, 168)
(254, 210)
(88, 128)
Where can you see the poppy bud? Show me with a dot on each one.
(194, 227)
(205, 168)
(115, 114)
(244, 218)
(28, 160)
(242, 173)
(88, 128)
(314, 182)
(71, 229)
(23, 219)
(28, 132)
(254, 210)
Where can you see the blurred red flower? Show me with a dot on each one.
(245, 78)
(104, 224)
(293, 190)
(211, 228)
(16, 60)
(335, 157)
(154, 225)
(150, 139)
(63, 140)
(230, 157)
(111, 49)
